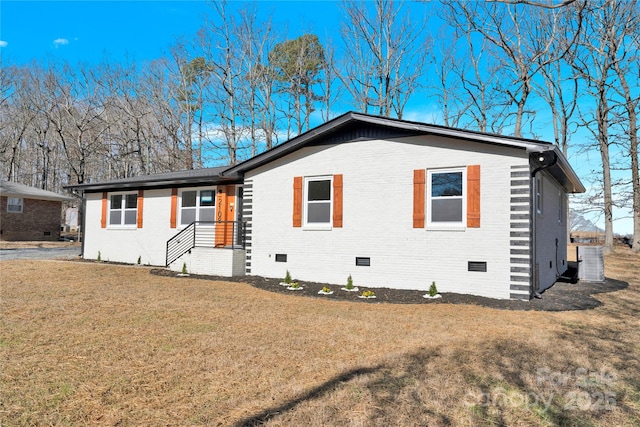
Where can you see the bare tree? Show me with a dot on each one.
(385, 56)
(607, 25)
(626, 47)
(256, 41)
(71, 106)
(523, 39)
(217, 41)
(559, 87)
(297, 65)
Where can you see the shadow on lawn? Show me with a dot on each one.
(498, 382)
(314, 393)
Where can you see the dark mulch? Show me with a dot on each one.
(560, 297)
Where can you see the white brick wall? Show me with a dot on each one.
(212, 261)
(377, 213)
(127, 244)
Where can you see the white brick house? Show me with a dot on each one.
(392, 203)
(177, 218)
(400, 204)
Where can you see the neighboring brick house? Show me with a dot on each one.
(28, 213)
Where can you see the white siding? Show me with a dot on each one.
(551, 233)
(378, 218)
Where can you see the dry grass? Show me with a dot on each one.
(93, 344)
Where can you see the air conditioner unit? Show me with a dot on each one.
(591, 265)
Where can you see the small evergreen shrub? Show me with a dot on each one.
(287, 278)
(433, 290)
(184, 268)
(349, 283)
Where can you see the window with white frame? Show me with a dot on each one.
(446, 197)
(14, 204)
(317, 201)
(123, 209)
(197, 205)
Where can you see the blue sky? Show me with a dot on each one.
(84, 31)
(89, 31)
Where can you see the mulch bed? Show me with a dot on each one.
(560, 297)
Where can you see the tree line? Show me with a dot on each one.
(238, 87)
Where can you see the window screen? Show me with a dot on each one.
(318, 196)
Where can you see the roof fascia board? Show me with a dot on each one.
(154, 184)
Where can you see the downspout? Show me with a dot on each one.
(533, 292)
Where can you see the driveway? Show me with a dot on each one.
(68, 252)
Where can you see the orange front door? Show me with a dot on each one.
(225, 215)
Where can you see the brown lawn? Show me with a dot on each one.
(95, 344)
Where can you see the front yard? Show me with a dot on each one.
(96, 344)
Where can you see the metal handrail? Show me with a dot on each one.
(193, 235)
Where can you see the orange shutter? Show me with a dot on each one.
(174, 207)
(297, 201)
(473, 196)
(103, 219)
(140, 203)
(418, 197)
(337, 201)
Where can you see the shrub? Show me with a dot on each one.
(368, 294)
(184, 268)
(433, 290)
(139, 260)
(287, 278)
(349, 283)
(99, 257)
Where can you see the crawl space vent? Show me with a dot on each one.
(480, 266)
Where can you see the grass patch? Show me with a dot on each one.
(104, 344)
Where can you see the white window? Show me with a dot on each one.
(318, 201)
(197, 205)
(14, 204)
(446, 197)
(123, 209)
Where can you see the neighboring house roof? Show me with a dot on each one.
(353, 126)
(14, 189)
(181, 178)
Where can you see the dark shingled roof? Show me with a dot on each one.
(209, 176)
